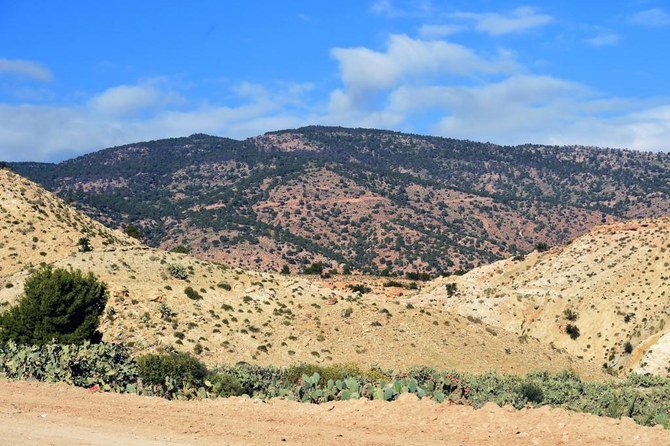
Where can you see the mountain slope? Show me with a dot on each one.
(613, 284)
(39, 227)
(374, 200)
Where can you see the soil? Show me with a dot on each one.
(47, 414)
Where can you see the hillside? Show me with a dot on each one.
(236, 315)
(39, 227)
(612, 284)
(369, 199)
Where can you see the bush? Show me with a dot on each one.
(541, 247)
(133, 232)
(60, 305)
(628, 348)
(573, 331)
(192, 294)
(177, 271)
(181, 249)
(393, 283)
(84, 244)
(315, 268)
(570, 314)
(532, 392)
(154, 368)
(360, 288)
(336, 371)
(225, 384)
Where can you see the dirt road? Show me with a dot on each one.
(47, 414)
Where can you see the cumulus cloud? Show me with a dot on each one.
(651, 17)
(363, 70)
(485, 99)
(42, 133)
(495, 24)
(25, 68)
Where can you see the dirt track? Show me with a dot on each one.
(40, 414)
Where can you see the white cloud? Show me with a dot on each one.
(651, 17)
(40, 133)
(25, 68)
(603, 39)
(129, 99)
(363, 70)
(520, 19)
(432, 32)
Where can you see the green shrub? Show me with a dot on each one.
(573, 331)
(155, 368)
(57, 304)
(314, 268)
(336, 371)
(84, 244)
(224, 384)
(570, 314)
(177, 271)
(532, 392)
(541, 247)
(360, 288)
(192, 294)
(133, 232)
(181, 249)
(393, 283)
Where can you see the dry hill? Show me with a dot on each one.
(610, 289)
(37, 226)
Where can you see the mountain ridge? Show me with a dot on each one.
(356, 196)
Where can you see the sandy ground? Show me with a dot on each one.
(47, 414)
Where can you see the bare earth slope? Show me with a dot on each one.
(275, 319)
(613, 284)
(36, 226)
(43, 414)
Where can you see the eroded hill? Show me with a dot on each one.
(604, 297)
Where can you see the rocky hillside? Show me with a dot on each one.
(372, 200)
(604, 297)
(38, 227)
(162, 301)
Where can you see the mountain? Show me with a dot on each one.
(370, 199)
(612, 286)
(231, 315)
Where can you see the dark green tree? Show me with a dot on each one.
(84, 244)
(58, 304)
(133, 232)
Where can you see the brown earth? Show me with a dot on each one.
(55, 414)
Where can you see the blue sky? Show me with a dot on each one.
(78, 76)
